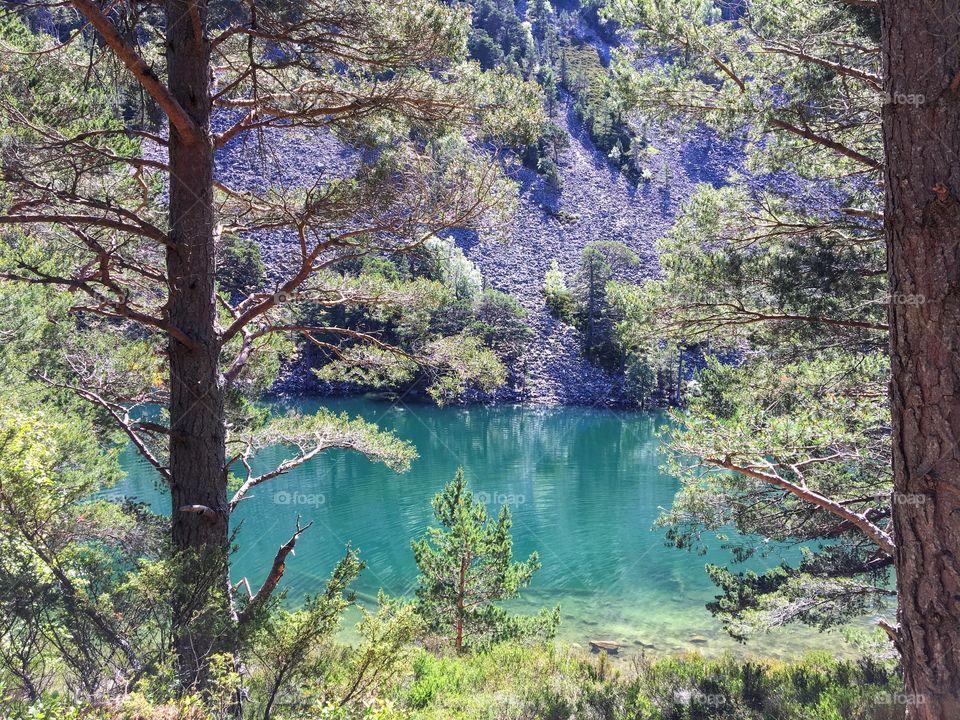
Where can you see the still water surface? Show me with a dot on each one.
(585, 489)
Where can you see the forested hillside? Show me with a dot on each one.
(593, 174)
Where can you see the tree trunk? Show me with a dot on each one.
(677, 394)
(197, 444)
(591, 290)
(461, 601)
(921, 43)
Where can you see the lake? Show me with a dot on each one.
(584, 486)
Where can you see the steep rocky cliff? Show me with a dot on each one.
(597, 203)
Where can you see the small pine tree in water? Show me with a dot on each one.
(466, 566)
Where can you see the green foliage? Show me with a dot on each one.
(327, 430)
(601, 108)
(30, 327)
(387, 647)
(70, 614)
(427, 322)
(786, 420)
(500, 324)
(763, 72)
(544, 155)
(499, 39)
(240, 269)
(466, 566)
(816, 687)
(784, 280)
(650, 370)
(555, 683)
(453, 269)
(426, 159)
(735, 271)
(593, 302)
(515, 681)
(558, 295)
(459, 362)
(291, 648)
(446, 366)
(594, 314)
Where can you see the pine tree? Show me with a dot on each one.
(132, 235)
(834, 280)
(782, 268)
(466, 566)
(599, 263)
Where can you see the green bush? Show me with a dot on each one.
(500, 323)
(559, 297)
(240, 269)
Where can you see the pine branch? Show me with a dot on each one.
(858, 520)
(273, 578)
(827, 143)
(188, 130)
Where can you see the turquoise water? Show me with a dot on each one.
(584, 487)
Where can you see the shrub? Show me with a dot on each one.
(499, 321)
(559, 296)
(240, 269)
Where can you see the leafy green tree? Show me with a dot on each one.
(781, 275)
(600, 261)
(124, 217)
(466, 566)
(454, 269)
(500, 321)
(558, 295)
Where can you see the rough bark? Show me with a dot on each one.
(461, 601)
(197, 445)
(921, 43)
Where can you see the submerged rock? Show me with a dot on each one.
(611, 647)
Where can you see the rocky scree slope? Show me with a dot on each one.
(597, 202)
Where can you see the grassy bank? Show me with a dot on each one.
(556, 682)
